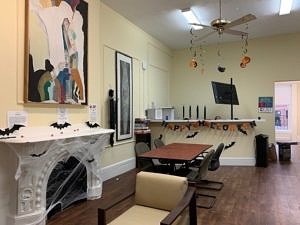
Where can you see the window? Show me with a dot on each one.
(283, 100)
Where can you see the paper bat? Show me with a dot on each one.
(230, 145)
(164, 124)
(253, 124)
(92, 125)
(90, 160)
(38, 155)
(192, 135)
(8, 131)
(176, 127)
(60, 126)
(241, 130)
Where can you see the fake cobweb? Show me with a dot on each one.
(68, 158)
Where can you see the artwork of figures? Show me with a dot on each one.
(124, 96)
(56, 65)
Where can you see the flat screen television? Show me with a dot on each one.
(223, 93)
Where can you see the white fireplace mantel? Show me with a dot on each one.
(38, 150)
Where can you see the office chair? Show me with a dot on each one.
(159, 143)
(145, 164)
(213, 165)
(198, 174)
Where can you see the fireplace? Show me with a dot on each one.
(67, 185)
(41, 152)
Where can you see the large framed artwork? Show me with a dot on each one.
(124, 96)
(56, 49)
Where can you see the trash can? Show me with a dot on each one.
(262, 144)
(284, 150)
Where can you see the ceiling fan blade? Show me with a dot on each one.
(198, 24)
(235, 32)
(203, 37)
(241, 20)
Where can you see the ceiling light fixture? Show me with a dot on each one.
(285, 7)
(191, 18)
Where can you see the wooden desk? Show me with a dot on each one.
(177, 152)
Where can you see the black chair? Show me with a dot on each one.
(213, 165)
(197, 174)
(145, 164)
(159, 143)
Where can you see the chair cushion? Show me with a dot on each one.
(141, 215)
(160, 191)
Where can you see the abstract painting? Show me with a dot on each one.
(124, 96)
(56, 51)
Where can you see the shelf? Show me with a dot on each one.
(210, 121)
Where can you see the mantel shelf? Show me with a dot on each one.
(38, 134)
(210, 121)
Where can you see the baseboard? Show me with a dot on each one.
(129, 164)
(235, 161)
(117, 168)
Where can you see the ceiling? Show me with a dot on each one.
(163, 19)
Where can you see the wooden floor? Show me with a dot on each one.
(251, 196)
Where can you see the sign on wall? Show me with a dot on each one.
(265, 104)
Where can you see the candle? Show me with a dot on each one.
(197, 112)
(204, 113)
(190, 112)
(183, 112)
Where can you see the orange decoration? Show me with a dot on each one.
(193, 63)
(195, 125)
(182, 127)
(245, 60)
(170, 126)
(245, 126)
(231, 127)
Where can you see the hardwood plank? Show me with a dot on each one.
(251, 196)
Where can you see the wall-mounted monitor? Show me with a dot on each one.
(224, 93)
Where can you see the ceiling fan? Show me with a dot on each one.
(222, 25)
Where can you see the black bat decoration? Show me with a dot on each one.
(38, 155)
(189, 126)
(253, 124)
(201, 123)
(92, 125)
(176, 127)
(60, 126)
(8, 131)
(192, 135)
(230, 145)
(90, 160)
(241, 130)
(164, 124)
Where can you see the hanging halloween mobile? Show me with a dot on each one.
(196, 52)
(245, 59)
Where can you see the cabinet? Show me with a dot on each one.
(143, 136)
(284, 149)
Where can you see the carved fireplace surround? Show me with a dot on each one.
(38, 150)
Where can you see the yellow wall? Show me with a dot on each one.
(108, 32)
(272, 59)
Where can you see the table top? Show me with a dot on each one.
(177, 151)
